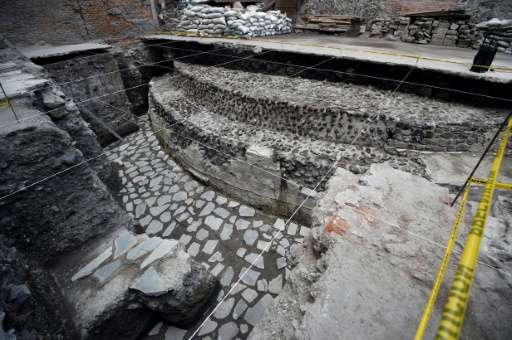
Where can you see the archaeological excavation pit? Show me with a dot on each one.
(202, 170)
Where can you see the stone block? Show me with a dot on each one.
(116, 293)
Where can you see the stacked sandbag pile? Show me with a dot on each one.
(500, 31)
(202, 20)
(253, 23)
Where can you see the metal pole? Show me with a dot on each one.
(154, 12)
(461, 190)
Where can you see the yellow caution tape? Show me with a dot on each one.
(345, 48)
(427, 312)
(499, 185)
(4, 103)
(455, 308)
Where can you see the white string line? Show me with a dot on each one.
(275, 234)
(372, 77)
(108, 94)
(83, 162)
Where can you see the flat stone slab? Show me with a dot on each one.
(62, 50)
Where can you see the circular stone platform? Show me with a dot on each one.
(255, 145)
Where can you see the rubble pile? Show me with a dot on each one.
(500, 31)
(389, 27)
(443, 31)
(244, 22)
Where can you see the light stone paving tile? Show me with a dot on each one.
(245, 211)
(154, 227)
(202, 234)
(255, 260)
(226, 233)
(207, 210)
(213, 222)
(210, 246)
(238, 288)
(224, 309)
(241, 252)
(168, 231)
(217, 257)
(227, 277)
(165, 248)
(249, 295)
(93, 265)
(173, 333)
(185, 239)
(262, 285)
(255, 313)
(275, 286)
(292, 229)
(239, 310)
(165, 217)
(193, 250)
(208, 195)
(250, 237)
(241, 224)
(228, 331)
(233, 204)
(105, 273)
(221, 212)
(221, 200)
(217, 269)
(249, 276)
(208, 327)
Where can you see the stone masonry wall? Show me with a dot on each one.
(482, 9)
(28, 22)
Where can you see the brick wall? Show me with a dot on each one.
(28, 22)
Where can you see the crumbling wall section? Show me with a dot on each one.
(31, 22)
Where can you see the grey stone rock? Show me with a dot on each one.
(246, 211)
(226, 232)
(105, 273)
(194, 248)
(224, 309)
(165, 249)
(123, 243)
(208, 327)
(255, 313)
(249, 295)
(180, 196)
(208, 196)
(213, 222)
(154, 227)
(276, 285)
(173, 333)
(255, 260)
(210, 246)
(242, 224)
(227, 277)
(143, 248)
(221, 212)
(240, 308)
(202, 234)
(150, 283)
(93, 265)
(207, 210)
(250, 277)
(228, 331)
(250, 236)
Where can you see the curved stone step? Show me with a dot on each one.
(273, 171)
(337, 112)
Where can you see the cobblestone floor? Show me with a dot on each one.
(223, 234)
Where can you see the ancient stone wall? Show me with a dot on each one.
(97, 76)
(30, 22)
(482, 9)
